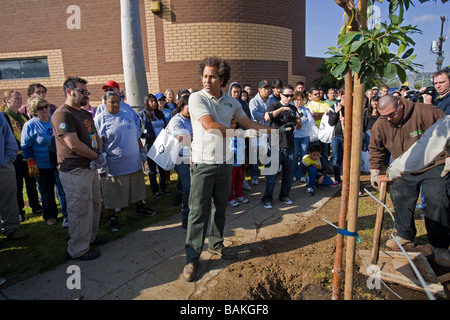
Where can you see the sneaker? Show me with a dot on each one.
(38, 211)
(302, 179)
(224, 252)
(255, 181)
(16, 235)
(65, 223)
(268, 205)
(52, 221)
(335, 184)
(403, 242)
(441, 256)
(99, 241)
(246, 186)
(309, 191)
(233, 203)
(158, 195)
(190, 271)
(91, 254)
(287, 201)
(167, 193)
(294, 179)
(421, 206)
(112, 223)
(145, 212)
(242, 200)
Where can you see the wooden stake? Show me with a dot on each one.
(378, 224)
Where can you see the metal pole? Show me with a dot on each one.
(133, 54)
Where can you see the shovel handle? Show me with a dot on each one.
(378, 223)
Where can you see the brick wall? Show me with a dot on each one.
(258, 45)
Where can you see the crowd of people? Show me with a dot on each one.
(94, 156)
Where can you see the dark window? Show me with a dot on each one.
(24, 68)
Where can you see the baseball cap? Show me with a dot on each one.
(263, 84)
(159, 95)
(111, 84)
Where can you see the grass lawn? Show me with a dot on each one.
(45, 246)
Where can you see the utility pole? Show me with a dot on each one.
(440, 58)
(133, 54)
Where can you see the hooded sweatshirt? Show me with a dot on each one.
(399, 137)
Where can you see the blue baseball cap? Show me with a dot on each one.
(160, 95)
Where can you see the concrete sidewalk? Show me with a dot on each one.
(147, 264)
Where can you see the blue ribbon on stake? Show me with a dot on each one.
(345, 232)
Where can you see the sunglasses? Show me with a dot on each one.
(83, 92)
(391, 115)
(288, 95)
(40, 108)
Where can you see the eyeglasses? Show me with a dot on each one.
(288, 95)
(40, 108)
(83, 92)
(391, 115)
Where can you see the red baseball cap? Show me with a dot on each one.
(111, 84)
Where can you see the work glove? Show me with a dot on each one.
(286, 127)
(249, 133)
(374, 173)
(143, 154)
(33, 170)
(99, 162)
(446, 167)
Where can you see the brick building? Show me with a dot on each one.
(261, 39)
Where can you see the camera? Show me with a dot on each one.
(417, 96)
(286, 117)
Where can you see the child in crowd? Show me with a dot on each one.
(237, 146)
(315, 169)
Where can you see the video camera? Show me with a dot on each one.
(287, 118)
(417, 96)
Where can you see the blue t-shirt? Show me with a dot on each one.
(120, 142)
(36, 136)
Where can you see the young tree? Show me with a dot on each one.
(362, 55)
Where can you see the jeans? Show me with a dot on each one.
(61, 195)
(436, 190)
(366, 141)
(301, 145)
(152, 176)
(46, 184)
(314, 175)
(337, 145)
(184, 176)
(286, 157)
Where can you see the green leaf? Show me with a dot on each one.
(355, 64)
(401, 73)
(340, 69)
(334, 59)
(390, 71)
(347, 38)
(356, 44)
(407, 53)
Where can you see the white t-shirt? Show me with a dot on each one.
(211, 147)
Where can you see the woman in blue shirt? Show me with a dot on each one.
(36, 136)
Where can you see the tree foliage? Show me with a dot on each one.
(368, 53)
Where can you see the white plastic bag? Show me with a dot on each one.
(313, 132)
(326, 132)
(365, 167)
(165, 150)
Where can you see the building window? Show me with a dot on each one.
(24, 68)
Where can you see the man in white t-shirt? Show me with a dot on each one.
(211, 111)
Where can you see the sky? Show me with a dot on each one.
(324, 19)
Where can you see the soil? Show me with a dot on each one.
(304, 270)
